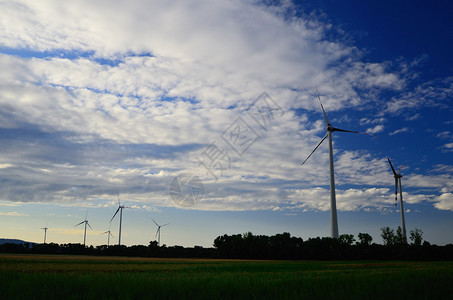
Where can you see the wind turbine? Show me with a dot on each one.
(158, 231)
(397, 177)
(86, 223)
(45, 232)
(108, 236)
(120, 209)
(333, 201)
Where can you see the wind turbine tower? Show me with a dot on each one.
(120, 209)
(45, 232)
(85, 233)
(397, 176)
(333, 201)
(158, 231)
(108, 236)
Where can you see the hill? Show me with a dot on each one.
(13, 241)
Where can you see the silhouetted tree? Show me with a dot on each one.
(416, 236)
(283, 246)
(400, 239)
(347, 239)
(388, 236)
(229, 246)
(12, 248)
(153, 245)
(322, 248)
(364, 239)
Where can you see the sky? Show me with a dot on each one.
(199, 114)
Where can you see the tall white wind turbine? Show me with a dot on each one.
(397, 176)
(333, 201)
(158, 231)
(45, 232)
(120, 209)
(85, 233)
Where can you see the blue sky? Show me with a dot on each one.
(105, 98)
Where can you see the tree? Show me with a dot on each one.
(388, 236)
(347, 239)
(416, 236)
(400, 239)
(365, 239)
(153, 245)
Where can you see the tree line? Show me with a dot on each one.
(279, 246)
(151, 250)
(284, 246)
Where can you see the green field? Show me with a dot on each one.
(82, 277)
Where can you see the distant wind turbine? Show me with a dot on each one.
(45, 232)
(108, 236)
(120, 209)
(333, 202)
(397, 177)
(158, 231)
(85, 233)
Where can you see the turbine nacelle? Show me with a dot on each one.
(108, 232)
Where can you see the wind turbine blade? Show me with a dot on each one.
(89, 225)
(352, 131)
(114, 215)
(156, 233)
(314, 149)
(79, 223)
(322, 107)
(391, 166)
(165, 224)
(155, 222)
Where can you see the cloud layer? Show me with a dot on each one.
(105, 97)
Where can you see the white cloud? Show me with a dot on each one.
(442, 168)
(376, 199)
(412, 117)
(14, 214)
(444, 135)
(368, 121)
(358, 168)
(375, 129)
(405, 129)
(202, 49)
(439, 181)
(415, 198)
(432, 93)
(444, 201)
(9, 204)
(448, 147)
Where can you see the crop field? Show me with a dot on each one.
(85, 277)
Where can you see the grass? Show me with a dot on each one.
(79, 277)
